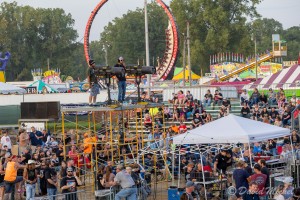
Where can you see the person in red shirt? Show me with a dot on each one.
(182, 128)
(260, 179)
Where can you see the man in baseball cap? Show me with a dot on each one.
(93, 83)
(121, 80)
(189, 189)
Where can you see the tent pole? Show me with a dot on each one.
(173, 168)
(293, 154)
(203, 175)
(250, 154)
(179, 167)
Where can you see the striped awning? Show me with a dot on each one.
(286, 78)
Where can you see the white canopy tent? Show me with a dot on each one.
(6, 88)
(231, 129)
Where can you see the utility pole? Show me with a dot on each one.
(255, 58)
(184, 46)
(189, 53)
(147, 45)
(105, 51)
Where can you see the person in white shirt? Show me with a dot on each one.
(5, 140)
(244, 97)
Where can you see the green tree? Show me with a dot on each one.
(34, 35)
(215, 26)
(263, 30)
(125, 36)
(292, 36)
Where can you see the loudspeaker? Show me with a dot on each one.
(40, 110)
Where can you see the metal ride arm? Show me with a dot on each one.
(250, 65)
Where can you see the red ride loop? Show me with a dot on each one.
(166, 65)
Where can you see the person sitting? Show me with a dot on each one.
(221, 113)
(175, 128)
(293, 100)
(176, 113)
(147, 121)
(281, 100)
(257, 150)
(256, 113)
(264, 113)
(218, 98)
(208, 119)
(244, 97)
(278, 121)
(226, 104)
(167, 112)
(286, 116)
(263, 100)
(207, 98)
(254, 99)
(245, 111)
(182, 128)
(181, 97)
(197, 121)
(271, 97)
(272, 115)
(188, 96)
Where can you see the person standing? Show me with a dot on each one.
(129, 190)
(93, 83)
(121, 80)
(260, 179)
(52, 183)
(5, 141)
(35, 138)
(30, 178)
(69, 184)
(10, 177)
(23, 141)
(240, 177)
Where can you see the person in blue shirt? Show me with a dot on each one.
(35, 138)
(257, 149)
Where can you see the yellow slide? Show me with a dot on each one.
(2, 76)
(247, 66)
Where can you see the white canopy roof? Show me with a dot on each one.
(6, 88)
(231, 129)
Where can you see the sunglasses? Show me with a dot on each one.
(70, 171)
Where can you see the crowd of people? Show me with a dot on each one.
(45, 165)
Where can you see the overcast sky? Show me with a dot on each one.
(284, 11)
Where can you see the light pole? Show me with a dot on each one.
(189, 53)
(147, 45)
(184, 59)
(255, 58)
(253, 38)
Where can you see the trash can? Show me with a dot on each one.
(174, 193)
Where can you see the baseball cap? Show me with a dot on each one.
(121, 58)
(69, 169)
(189, 184)
(91, 62)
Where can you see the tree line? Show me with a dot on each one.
(33, 35)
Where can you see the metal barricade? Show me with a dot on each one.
(78, 195)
